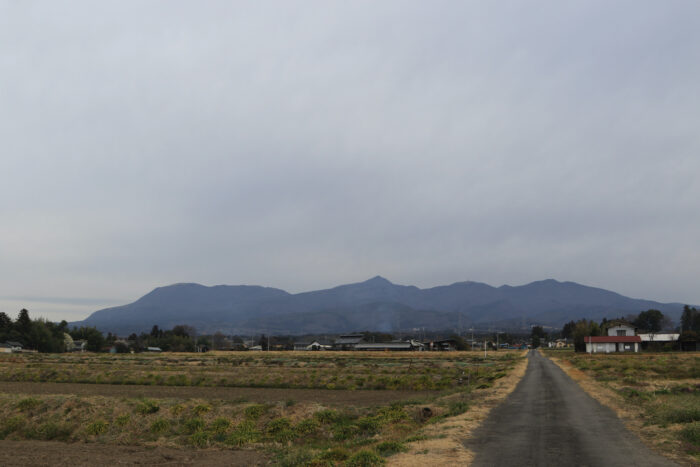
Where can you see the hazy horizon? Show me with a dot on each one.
(303, 145)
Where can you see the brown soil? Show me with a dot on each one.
(25, 453)
(321, 396)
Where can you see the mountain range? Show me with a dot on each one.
(376, 304)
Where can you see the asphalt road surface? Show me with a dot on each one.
(549, 420)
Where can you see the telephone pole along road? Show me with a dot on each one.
(549, 420)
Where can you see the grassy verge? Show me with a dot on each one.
(658, 395)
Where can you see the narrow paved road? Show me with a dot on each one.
(550, 420)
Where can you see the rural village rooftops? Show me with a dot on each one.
(611, 339)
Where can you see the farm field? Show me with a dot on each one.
(657, 394)
(286, 408)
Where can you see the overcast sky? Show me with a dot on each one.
(302, 145)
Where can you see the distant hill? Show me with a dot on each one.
(376, 304)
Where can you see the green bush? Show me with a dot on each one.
(220, 425)
(365, 459)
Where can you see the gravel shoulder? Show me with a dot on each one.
(550, 420)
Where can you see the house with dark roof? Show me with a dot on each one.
(347, 342)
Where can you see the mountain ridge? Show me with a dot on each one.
(374, 304)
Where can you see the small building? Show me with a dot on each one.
(389, 346)
(10, 346)
(314, 345)
(153, 349)
(443, 344)
(347, 342)
(79, 345)
(661, 337)
(609, 344)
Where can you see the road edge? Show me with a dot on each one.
(630, 416)
(445, 445)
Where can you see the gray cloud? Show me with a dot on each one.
(306, 144)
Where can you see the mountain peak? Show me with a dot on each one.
(378, 280)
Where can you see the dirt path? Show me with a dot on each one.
(550, 420)
(24, 453)
(321, 396)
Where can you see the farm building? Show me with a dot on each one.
(313, 345)
(609, 344)
(9, 347)
(347, 342)
(444, 344)
(387, 346)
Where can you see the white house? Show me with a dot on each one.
(609, 344)
(621, 330)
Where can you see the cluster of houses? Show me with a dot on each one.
(10, 347)
(622, 337)
(357, 342)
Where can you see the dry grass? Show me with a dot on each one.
(642, 390)
(294, 432)
(444, 441)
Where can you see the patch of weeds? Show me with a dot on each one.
(201, 409)
(689, 415)
(297, 457)
(28, 403)
(122, 420)
(306, 427)
(255, 411)
(192, 425)
(280, 429)
(159, 426)
(328, 416)
(289, 402)
(148, 407)
(177, 409)
(11, 425)
(456, 408)
(244, 433)
(388, 448)
(370, 425)
(96, 428)
(336, 454)
(49, 431)
(365, 459)
(691, 433)
(220, 425)
(199, 439)
(414, 438)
